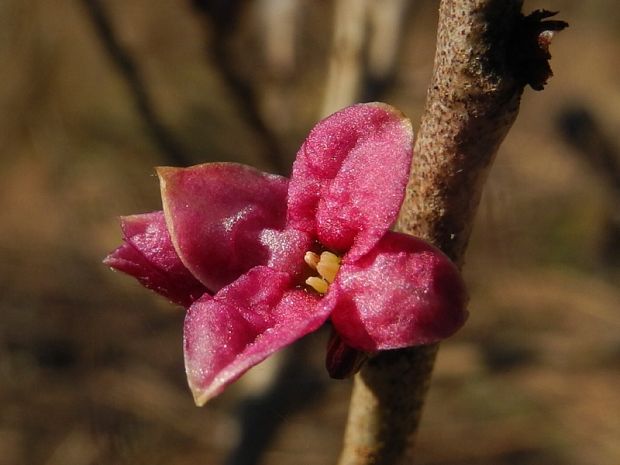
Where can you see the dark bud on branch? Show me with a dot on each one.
(530, 47)
(342, 361)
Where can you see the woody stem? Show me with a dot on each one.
(471, 104)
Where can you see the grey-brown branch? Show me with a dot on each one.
(487, 51)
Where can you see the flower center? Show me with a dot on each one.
(327, 265)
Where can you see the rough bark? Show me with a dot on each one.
(486, 52)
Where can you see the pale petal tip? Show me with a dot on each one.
(109, 261)
(165, 170)
(112, 259)
(164, 173)
(398, 114)
(201, 397)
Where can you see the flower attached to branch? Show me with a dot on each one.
(260, 261)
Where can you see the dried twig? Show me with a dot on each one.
(482, 63)
(128, 69)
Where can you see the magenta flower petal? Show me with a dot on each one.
(243, 324)
(286, 249)
(350, 175)
(148, 255)
(216, 214)
(403, 293)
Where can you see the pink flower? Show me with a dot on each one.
(244, 251)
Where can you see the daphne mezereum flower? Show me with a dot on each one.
(260, 260)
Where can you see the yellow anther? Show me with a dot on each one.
(318, 284)
(311, 259)
(328, 266)
(330, 257)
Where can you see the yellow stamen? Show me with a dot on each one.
(311, 259)
(330, 257)
(318, 284)
(328, 266)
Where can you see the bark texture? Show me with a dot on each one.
(473, 100)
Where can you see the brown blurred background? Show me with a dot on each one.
(96, 93)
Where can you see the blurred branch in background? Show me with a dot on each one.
(365, 41)
(221, 19)
(386, 21)
(582, 131)
(170, 148)
(344, 77)
(295, 387)
(279, 21)
(279, 26)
